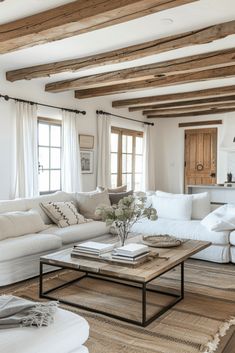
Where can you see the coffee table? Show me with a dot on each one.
(140, 277)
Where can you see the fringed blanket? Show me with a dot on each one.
(19, 312)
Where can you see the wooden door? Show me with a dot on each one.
(200, 156)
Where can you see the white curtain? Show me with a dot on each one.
(149, 178)
(71, 163)
(103, 153)
(26, 164)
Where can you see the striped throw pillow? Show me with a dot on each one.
(63, 214)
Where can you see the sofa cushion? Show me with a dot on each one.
(63, 214)
(28, 245)
(67, 334)
(13, 205)
(18, 223)
(232, 238)
(182, 229)
(88, 202)
(172, 206)
(79, 232)
(222, 219)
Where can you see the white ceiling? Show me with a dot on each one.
(185, 18)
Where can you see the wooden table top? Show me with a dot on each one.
(168, 258)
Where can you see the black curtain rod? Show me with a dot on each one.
(123, 117)
(7, 98)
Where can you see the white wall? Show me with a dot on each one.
(35, 92)
(170, 152)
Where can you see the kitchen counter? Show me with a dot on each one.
(220, 194)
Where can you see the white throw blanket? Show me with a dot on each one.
(19, 312)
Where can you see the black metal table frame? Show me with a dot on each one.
(130, 283)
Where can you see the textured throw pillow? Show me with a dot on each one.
(18, 223)
(116, 197)
(87, 203)
(173, 206)
(200, 205)
(63, 214)
(222, 219)
(118, 189)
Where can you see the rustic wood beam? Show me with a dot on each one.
(75, 18)
(198, 76)
(206, 93)
(145, 72)
(196, 102)
(201, 36)
(201, 123)
(188, 109)
(180, 115)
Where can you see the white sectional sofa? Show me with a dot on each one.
(219, 251)
(19, 256)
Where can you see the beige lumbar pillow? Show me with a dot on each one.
(18, 223)
(118, 189)
(63, 214)
(87, 203)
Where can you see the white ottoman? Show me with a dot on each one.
(66, 335)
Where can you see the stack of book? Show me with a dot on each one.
(131, 253)
(91, 249)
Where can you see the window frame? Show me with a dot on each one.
(50, 122)
(126, 132)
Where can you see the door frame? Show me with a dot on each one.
(216, 157)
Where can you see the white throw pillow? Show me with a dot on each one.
(201, 205)
(63, 214)
(173, 206)
(222, 219)
(18, 223)
(87, 203)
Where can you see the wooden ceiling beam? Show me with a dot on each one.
(182, 40)
(180, 115)
(198, 102)
(75, 18)
(189, 109)
(164, 98)
(201, 123)
(188, 64)
(205, 75)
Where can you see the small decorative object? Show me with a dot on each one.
(87, 162)
(229, 177)
(125, 214)
(161, 241)
(86, 141)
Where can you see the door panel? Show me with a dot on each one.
(200, 156)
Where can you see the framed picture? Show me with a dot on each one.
(86, 141)
(87, 162)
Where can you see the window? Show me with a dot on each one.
(126, 158)
(49, 155)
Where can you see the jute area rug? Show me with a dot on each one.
(195, 325)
